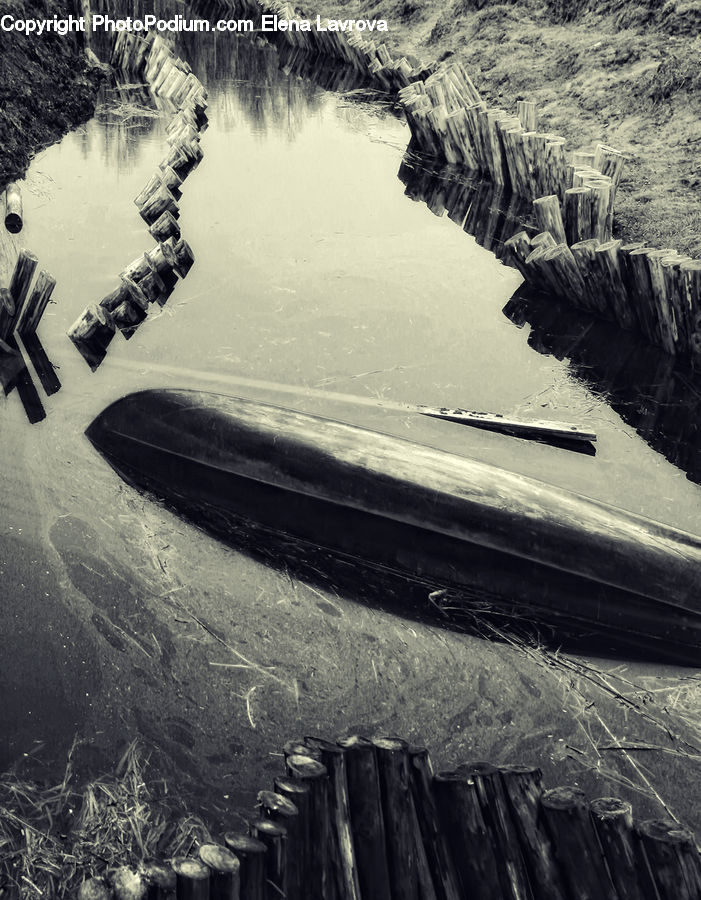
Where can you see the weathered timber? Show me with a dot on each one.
(183, 254)
(523, 788)
(251, 855)
(191, 879)
(673, 859)
(367, 822)
(333, 757)
(663, 306)
(160, 881)
(282, 811)
(612, 283)
(136, 295)
(467, 836)
(440, 863)
(94, 326)
(165, 226)
(397, 812)
(527, 112)
(548, 217)
(300, 845)
(613, 823)
(42, 364)
(224, 868)
(13, 208)
(577, 214)
(320, 884)
(299, 747)
(600, 201)
(127, 884)
(20, 282)
(36, 303)
(572, 833)
(584, 254)
(94, 889)
(157, 203)
(274, 837)
(7, 313)
(504, 836)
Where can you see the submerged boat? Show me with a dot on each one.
(452, 522)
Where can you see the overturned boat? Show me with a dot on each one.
(449, 521)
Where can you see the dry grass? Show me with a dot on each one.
(53, 837)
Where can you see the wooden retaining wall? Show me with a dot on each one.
(151, 278)
(656, 292)
(360, 819)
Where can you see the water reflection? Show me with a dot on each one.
(638, 381)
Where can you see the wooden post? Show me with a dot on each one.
(527, 112)
(613, 823)
(42, 364)
(523, 788)
(7, 313)
(600, 200)
(94, 326)
(36, 304)
(572, 833)
(549, 218)
(282, 811)
(165, 226)
(20, 281)
(274, 837)
(191, 879)
(224, 870)
(94, 889)
(612, 284)
(577, 214)
(320, 884)
(584, 255)
(160, 881)
(333, 757)
(251, 856)
(127, 884)
(665, 317)
(467, 836)
(673, 858)
(367, 822)
(497, 818)
(398, 813)
(300, 846)
(183, 254)
(13, 208)
(444, 877)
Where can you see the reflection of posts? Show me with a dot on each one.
(42, 364)
(22, 380)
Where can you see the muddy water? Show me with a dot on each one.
(317, 282)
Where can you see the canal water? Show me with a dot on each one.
(322, 282)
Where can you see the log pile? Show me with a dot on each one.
(361, 819)
(151, 278)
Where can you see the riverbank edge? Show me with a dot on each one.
(602, 77)
(47, 87)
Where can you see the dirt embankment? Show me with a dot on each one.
(625, 72)
(46, 87)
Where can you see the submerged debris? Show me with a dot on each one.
(52, 837)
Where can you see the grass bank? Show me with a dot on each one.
(619, 71)
(46, 87)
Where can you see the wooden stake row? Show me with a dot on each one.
(366, 819)
(656, 292)
(151, 278)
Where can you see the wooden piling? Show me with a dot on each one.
(274, 837)
(191, 879)
(13, 208)
(523, 788)
(20, 282)
(94, 326)
(440, 863)
(127, 884)
(398, 814)
(497, 817)
(673, 859)
(281, 810)
(613, 823)
(333, 757)
(94, 889)
(467, 836)
(367, 822)
(224, 868)
(612, 284)
(548, 217)
(36, 304)
(571, 831)
(251, 856)
(527, 112)
(160, 881)
(577, 215)
(320, 884)
(7, 313)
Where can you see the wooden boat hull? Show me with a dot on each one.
(450, 521)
